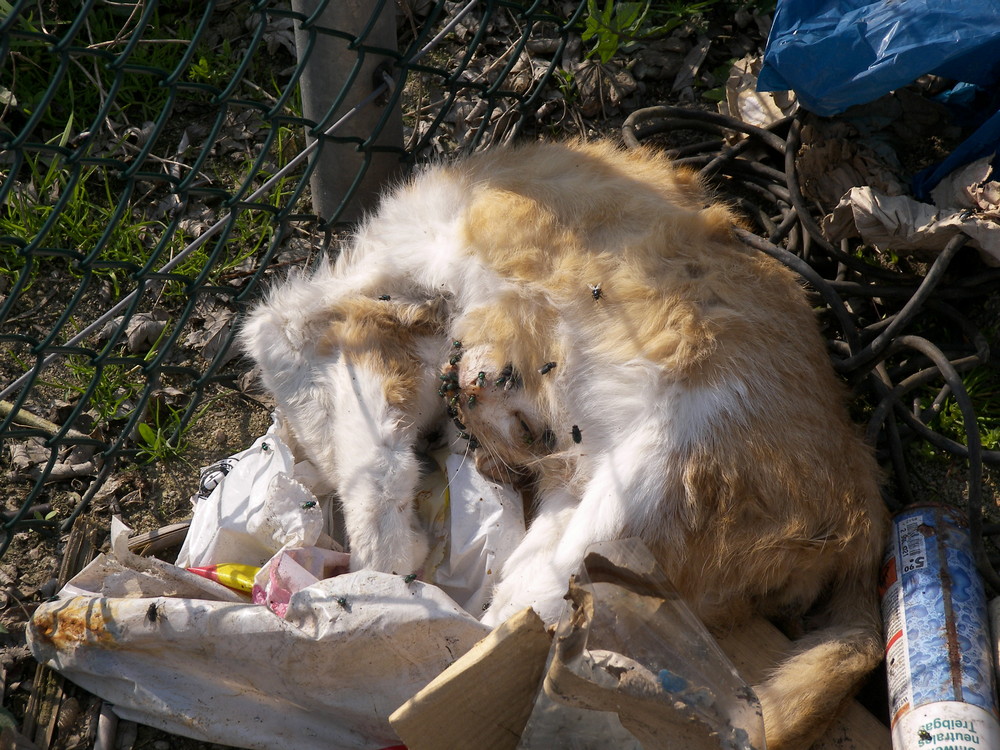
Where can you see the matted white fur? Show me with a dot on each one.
(585, 315)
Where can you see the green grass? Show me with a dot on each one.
(74, 211)
(79, 83)
(607, 27)
(610, 25)
(161, 437)
(983, 385)
(70, 214)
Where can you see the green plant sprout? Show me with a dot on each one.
(618, 23)
(161, 437)
(983, 386)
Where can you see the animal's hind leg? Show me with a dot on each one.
(828, 666)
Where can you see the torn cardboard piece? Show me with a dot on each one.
(630, 644)
(630, 667)
(486, 696)
(600, 668)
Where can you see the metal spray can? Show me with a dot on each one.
(942, 691)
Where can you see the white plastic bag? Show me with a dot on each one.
(326, 661)
(349, 651)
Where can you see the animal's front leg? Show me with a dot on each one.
(377, 474)
(531, 577)
(356, 384)
(623, 495)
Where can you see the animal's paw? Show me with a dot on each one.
(401, 550)
(544, 592)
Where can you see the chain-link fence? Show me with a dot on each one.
(159, 159)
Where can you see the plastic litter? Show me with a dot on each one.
(173, 650)
(836, 53)
(939, 666)
(231, 575)
(629, 641)
(331, 655)
(984, 142)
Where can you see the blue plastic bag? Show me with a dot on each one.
(836, 53)
(984, 142)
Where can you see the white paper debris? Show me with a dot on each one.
(350, 650)
(475, 524)
(257, 509)
(329, 656)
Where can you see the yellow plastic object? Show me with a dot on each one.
(232, 575)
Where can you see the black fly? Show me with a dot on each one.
(547, 368)
(577, 435)
(595, 291)
(548, 439)
(152, 613)
(505, 375)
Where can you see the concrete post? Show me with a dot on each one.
(329, 68)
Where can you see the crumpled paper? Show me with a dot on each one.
(628, 641)
(967, 201)
(326, 661)
(174, 651)
(744, 102)
(835, 157)
(862, 146)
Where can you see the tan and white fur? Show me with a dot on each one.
(692, 403)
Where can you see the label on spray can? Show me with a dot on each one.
(942, 691)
